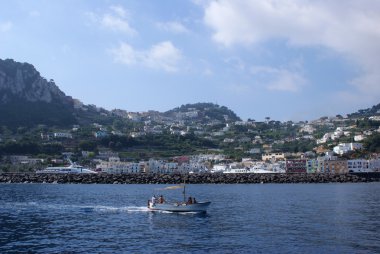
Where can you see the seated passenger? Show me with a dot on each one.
(189, 201)
(153, 200)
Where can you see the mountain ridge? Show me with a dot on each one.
(27, 99)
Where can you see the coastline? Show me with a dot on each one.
(204, 178)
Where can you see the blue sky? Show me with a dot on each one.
(285, 59)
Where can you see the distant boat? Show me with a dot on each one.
(186, 206)
(72, 169)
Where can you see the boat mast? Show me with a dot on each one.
(184, 193)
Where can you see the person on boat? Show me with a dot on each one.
(161, 199)
(153, 200)
(194, 201)
(189, 201)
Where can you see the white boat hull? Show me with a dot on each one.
(72, 169)
(180, 207)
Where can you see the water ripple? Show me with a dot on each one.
(325, 218)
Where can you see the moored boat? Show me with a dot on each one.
(72, 169)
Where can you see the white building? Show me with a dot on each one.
(324, 139)
(62, 135)
(219, 168)
(159, 166)
(359, 137)
(337, 133)
(192, 167)
(374, 118)
(358, 165)
(361, 165)
(374, 165)
(347, 147)
(115, 166)
(255, 151)
(308, 129)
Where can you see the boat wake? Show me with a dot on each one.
(113, 209)
(74, 208)
(181, 213)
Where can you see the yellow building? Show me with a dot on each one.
(332, 166)
(273, 156)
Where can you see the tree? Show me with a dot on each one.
(372, 144)
(88, 145)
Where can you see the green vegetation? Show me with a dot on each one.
(372, 144)
(28, 114)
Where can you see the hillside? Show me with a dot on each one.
(203, 112)
(27, 99)
(374, 110)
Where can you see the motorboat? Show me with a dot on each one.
(179, 207)
(72, 169)
(190, 205)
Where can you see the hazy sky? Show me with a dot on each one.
(286, 59)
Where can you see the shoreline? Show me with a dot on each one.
(204, 178)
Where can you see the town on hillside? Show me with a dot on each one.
(198, 138)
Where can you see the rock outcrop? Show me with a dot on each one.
(22, 81)
(27, 99)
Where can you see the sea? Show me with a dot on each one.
(249, 218)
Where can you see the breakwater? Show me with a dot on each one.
(204, 178)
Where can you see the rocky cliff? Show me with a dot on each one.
(23, 81)
(27, 99)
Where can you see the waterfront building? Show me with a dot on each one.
(296, 166)
(374, 165)
(192, 167)
(358, 165)
(311, 166)
(361, 165)
(160, 166)
(115, 166)
(332, 166)
(23, 159)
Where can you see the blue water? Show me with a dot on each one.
(266, 218)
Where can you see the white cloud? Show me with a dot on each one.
(115, 20)
(119, 10)
(279, 79)
(116, 24)
(5, 26)
(174, 27)
(164, 56)
(350, 28)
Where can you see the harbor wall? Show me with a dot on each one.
(204, 178)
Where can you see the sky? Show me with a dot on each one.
(283, 59)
